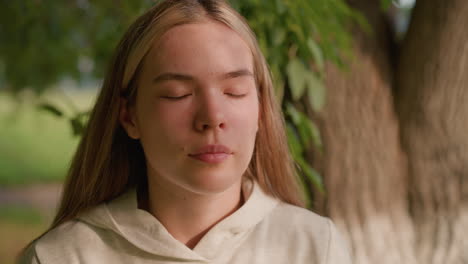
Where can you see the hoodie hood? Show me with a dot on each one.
(143, 230)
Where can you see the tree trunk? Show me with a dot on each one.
(432, 101)
(364, 167)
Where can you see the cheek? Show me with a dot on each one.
(245, 122)
(172, 119)
(245, 136)
(250, 114)
(164, 128)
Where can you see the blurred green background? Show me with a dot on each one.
(35, 151)
(35, 145)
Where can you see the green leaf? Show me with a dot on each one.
(293, 113)
(77, 126)
(314, 133)
(51, 109)
(305, 135)
(311, 174)
(295, 28)
(296, 77)
(305, 130)
(385, 4)
(316, 91)
(279, 86)
(317, 53)
(280, 6)
(279, 35)
(293, 142)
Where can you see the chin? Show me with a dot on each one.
(212, 183)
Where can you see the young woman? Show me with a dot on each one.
(185, 159)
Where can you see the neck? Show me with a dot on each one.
(186, 215)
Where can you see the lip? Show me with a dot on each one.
(211, 153)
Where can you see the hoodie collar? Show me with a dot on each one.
(143, 230)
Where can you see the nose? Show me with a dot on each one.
(210, 113)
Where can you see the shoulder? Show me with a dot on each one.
(309, 232)
(63, 243)
(298, 218)
(68, 233)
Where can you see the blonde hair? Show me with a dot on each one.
(107, 162)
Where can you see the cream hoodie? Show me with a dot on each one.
(263, 231)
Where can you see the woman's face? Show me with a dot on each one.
(196, 111)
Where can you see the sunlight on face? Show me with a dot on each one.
(197, 108)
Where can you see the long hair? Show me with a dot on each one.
(108, 162)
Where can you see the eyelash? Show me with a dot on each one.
(236, 95)
(175, 98)
(183, 96)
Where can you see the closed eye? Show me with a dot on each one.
(175, 97)
(236, 95)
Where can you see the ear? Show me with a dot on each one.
(127, 119)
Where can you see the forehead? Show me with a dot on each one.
(202, 48)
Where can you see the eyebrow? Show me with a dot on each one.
(185, 77)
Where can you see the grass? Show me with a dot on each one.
(35, 145)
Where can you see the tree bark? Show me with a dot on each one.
(432, 102)
(364, 167)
